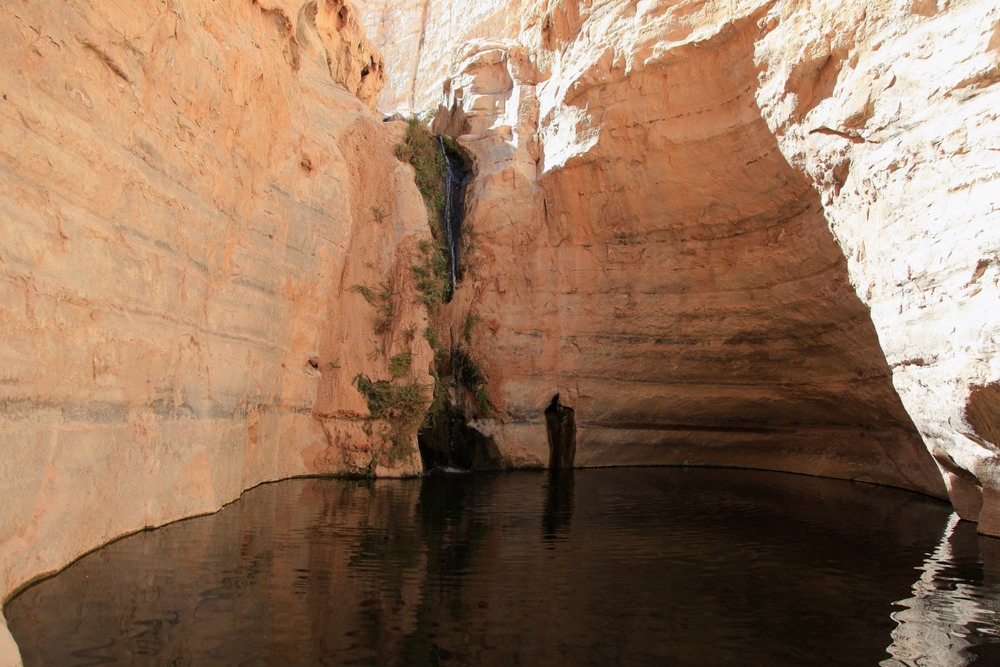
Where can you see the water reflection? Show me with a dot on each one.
(637, 567)
(558, 503)
(953, 616)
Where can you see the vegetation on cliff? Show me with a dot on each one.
(459, 383)
(421, 149)
(401, 405)
(431, 273)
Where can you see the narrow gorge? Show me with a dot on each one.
(736, 233)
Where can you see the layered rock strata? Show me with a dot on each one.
(188, 192)
(657, 182)
(892, 115)
(668, 273)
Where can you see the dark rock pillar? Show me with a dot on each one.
(560, 422)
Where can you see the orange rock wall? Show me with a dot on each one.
(188, 191)
(871, 120)
(668, 273)
(666, 194)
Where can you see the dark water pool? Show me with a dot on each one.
(602, 567)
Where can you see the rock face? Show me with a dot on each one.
(892, 115)
(667, 192)
(670, 275)
(189, 191)
(424, 40)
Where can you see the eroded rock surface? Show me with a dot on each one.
(658, 186)
(666, 270)
(892, 115)
(423, 40)
(188, 192)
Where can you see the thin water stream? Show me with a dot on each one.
(456, 181)
(597, 567)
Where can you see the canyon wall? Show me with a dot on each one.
(749, 233)
(666, 196)
(892, 114)
(188, 193)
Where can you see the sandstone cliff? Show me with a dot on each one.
(189, 191)
(667, 193)
(424, 38)
(892, 116)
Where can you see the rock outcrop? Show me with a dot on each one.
(662, 267)
(189, 192)
(424, 39)
(667, 195)
(892, 115)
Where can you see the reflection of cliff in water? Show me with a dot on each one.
(558, 503)
(530, 568)
(953, 617)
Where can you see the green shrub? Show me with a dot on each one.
(433, 339)
(431, 273)
(483, 400)
(364, 290)
(378, 394)
(402, 152)
(465, 369)
(409, 401)
(468, 374)
(470, 323)
(382, 321)
(402, 406)
(385, 310)
(399, 364)
(421, 150)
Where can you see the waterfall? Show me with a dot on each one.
(456, 179)
(448, 443)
